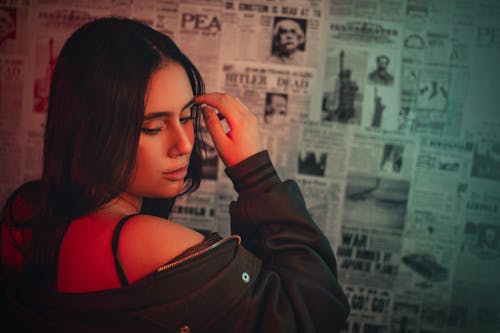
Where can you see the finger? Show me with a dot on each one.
(226, 104)
(214, 127)
(226, 107)
(240, 103)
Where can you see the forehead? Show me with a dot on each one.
(278, 98)
(168, 89)
(288, 24)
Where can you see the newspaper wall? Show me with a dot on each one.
(374, 209)
(385, 112)
(246, 20)
(11, 151)
(438, 198)
(319, 165)
(477, 267)
(13, 73)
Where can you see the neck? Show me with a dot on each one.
(124, 204)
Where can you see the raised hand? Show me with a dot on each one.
(243, 138)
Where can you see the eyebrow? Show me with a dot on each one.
(160, 114)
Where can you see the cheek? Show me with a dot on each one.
(144, 158)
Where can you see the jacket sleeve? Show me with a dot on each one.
(297, 288)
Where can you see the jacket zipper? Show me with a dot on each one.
(197, 254)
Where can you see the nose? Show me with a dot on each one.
(181, 141)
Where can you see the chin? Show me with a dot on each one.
(165, 192)
(180, 188)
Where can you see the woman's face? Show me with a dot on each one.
(167, 136)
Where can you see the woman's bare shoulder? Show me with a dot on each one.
(146, 242)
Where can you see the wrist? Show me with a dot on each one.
(253, 175)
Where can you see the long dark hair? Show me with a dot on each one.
(95, 113)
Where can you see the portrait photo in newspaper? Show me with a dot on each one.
(482, 240)
(380, 75)
(288, 43)
(276, 108)
(486, 160)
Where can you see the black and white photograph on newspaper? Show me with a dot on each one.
(288, 42)
(375, 201)
(392, 158)
(381, 73)
(276, 109)
(486, 160)
(344, 86)
(312, 163)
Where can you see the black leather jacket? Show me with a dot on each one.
(276, 274)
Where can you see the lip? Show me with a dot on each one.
(177, 174)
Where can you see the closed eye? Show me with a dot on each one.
(189, 113)
(153, 126)
(185, 119)
(151, 131)
(157, 121)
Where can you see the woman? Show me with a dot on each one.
(88, 247)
